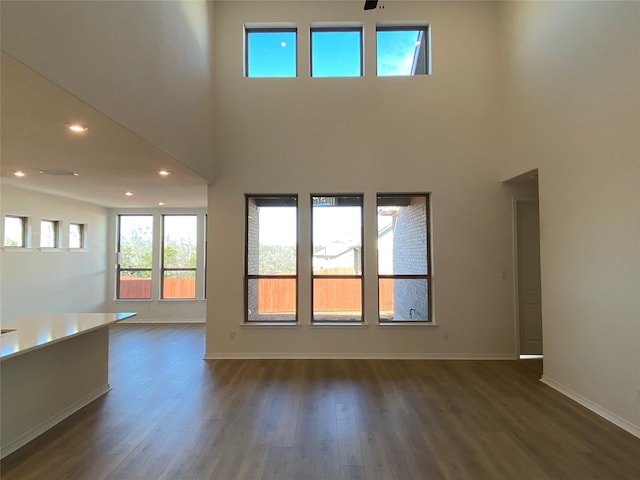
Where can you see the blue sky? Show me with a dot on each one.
(272, 54)
(395, 51)
(334, 54)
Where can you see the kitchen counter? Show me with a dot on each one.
(52, 366)
(30, 333)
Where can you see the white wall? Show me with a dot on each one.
(306, 135)
(37, 281)
(572, 110)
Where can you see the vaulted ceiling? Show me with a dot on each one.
(137, 74)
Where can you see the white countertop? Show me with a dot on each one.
(42, 330)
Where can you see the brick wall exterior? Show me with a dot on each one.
(409, 247)
(253, 229)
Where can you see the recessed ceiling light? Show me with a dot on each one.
(160, 203)
(283, 44)
(129, 194)
(19, 173)
(77, 128)
(164, 173)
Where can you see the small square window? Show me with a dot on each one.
(402, 51)
(76, 235)
(271, 52)
(48, 234)
(336, 52)
(15, 231)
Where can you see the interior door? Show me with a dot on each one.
(528, 264)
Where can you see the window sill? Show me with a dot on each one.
(407, 324)
(134, 300)
(78, 249)
(17, 249)
(162, 300)
(177, 300)
(269, 324)
(338, 324)
(50, 249)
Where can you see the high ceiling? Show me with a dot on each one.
(143, 93)
(108, 158)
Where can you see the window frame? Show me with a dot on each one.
(83, 240)
(56, 233)
(164, 269)
(335, 29)
(338, 276)
(24, 222)
(118, 253)
(275, 29)
(425, 28)
(427, 276)
(248, 277)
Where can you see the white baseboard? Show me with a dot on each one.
(363, 356)
(38, 430)
(594, 407)
(163, 320)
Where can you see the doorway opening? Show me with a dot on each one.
(526, 247)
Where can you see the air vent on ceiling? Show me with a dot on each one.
(59, 172)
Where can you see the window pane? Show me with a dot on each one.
(136, 241)
(75, 235)
(401, 51)
(272, 250)
(402, 235)
(337, 235)
(134, 284)
(180, 241)
(404, 299)
(48, 233)
(271, 53)
(271, 299)
(179, 284)
(336, 53)
(14, 228)
(336, 300)
(272, 236)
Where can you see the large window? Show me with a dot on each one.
(271, 264)
(402, 51)
(49, 234)
(15, 231)
(403, 258)
(179, 256)
(270, 52)
(336, 230)
(135, 256)
(336, 52)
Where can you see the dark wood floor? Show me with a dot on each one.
(173, 416)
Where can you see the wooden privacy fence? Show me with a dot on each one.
(276, 295)
(131, 287)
